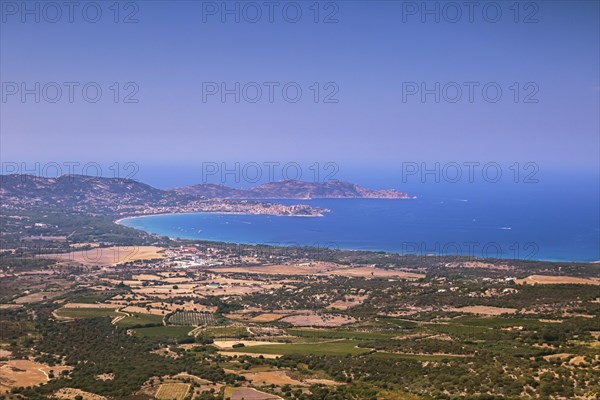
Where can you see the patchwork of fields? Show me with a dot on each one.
(333, 330)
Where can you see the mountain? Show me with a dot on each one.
(79, 191)
(119, 196)
(292, 189)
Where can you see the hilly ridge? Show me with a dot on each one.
(80, 191)
(292, 189)
(120, 196)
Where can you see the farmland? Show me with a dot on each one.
(247, 394)
(139, 320)
(163, 331)
(499, 322)
(557, 280)
(230, 331)
(15, 373)
(299, 200)
(87, 312)
(172, 391)
(317, 334)
(192, 318)
(108, 256)
(338, 348)
(332, 330)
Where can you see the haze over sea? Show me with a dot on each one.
(555, 220)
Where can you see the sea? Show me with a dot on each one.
(553, 222)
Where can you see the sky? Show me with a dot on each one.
(383, 84)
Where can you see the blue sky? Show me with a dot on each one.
(368, 56)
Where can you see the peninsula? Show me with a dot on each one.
(125, 197)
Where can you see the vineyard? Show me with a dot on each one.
(192, 318)
(172, 391)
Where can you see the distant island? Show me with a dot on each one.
(126, 197)
(293, 190)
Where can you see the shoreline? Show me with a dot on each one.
(119, 222)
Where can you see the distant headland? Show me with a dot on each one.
(126, 197)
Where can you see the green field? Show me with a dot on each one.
(416, 357)
(139, 320)
(334, 348)
(164, 331)
(229, 331)
(87, 312)
(498, 322)
(455, 329)
(337, 334)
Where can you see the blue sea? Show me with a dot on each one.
(550, 222)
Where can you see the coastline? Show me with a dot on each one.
(120, 222)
